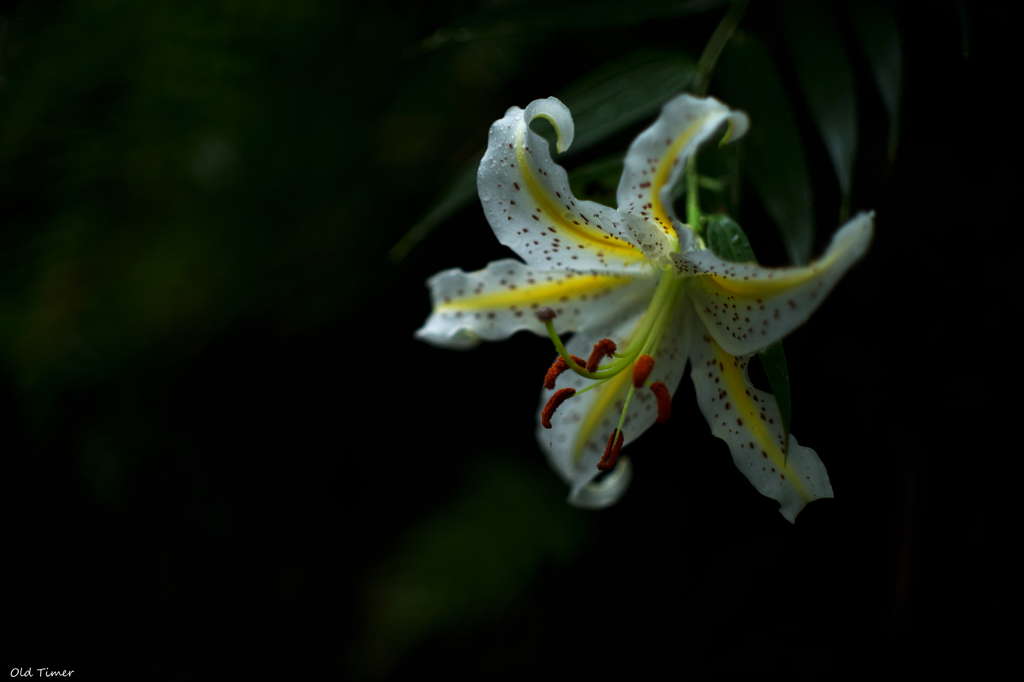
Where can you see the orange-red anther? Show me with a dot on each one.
(557, 399)
(601, 348)
(557, 368)
(664, 401)
(611, 453)
(642, 369)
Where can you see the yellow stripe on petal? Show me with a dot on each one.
(752, 280)
(552, 290)
(567, 216)
(753, 416)
(769, 285)
(748, 421)
(525, 196)
(657, 158)
(663, 174)
(494, 303)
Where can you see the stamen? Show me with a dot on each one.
(601, 349)
(642, 370)
(664, 401)
(556, 369)
(557, 399)
(611, 453)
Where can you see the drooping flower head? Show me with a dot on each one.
(643, 295)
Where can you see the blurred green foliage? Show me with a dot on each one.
(140, 145)
(181, 181)
(470, 561)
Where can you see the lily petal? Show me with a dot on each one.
(583, 424)
(527, 201)
(657, 158)
(496, 302)
(748, 420)
(746, 307)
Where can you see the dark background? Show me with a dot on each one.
(224, 452)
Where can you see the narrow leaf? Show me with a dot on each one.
(876, 28)
(775, 156)
(728, 241)
(827, 81)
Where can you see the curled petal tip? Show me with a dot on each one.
(558, 115)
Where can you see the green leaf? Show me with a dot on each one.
(876, 28)
(607, 100)
(773, 359)
(827, 81)
(775, 156)
(728, 241)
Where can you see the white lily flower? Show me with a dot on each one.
(638, 287)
